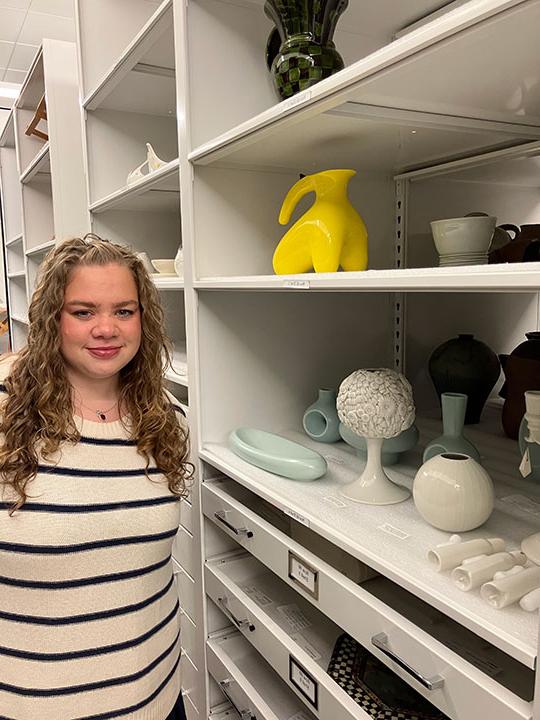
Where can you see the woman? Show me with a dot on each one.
(92, 466)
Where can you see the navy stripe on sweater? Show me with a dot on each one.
(81, 547)
(87, 472)
(74, 619)
(104, 650)
(137, 706)
(92, 507)
(83, 582)
(111, 682)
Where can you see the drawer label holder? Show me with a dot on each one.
(304, 682)
(303, 575)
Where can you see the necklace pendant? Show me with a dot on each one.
(101, 415)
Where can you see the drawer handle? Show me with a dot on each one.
(239, 623)
(380, 641)
(220, 515)
(244, 714)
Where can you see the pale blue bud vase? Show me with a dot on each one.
(454, 407)
(321, 420)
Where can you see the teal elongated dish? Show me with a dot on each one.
(277, 454)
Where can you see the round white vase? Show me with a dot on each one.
(453, 492)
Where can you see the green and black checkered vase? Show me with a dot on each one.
(300, 51)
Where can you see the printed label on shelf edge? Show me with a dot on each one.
(334, 459)
(296, 284)
(299, 639)
(294, 616)
(296, 516)
(391, 530)
(304, 575)
(303, 681)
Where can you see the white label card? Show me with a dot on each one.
(294, 616)
(525, 466)
(335, 501)
(396, 532)
(303, 681)
(296, 284)
(304, 575)
(296, 516)
(257, 595)
(306, 646)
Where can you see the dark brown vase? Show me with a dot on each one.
(522, 372)
(468, 366)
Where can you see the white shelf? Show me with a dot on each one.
(360, 529)
(41, 249)
(404, 76)
(41, 163)
(17, 274)
(178, 372)
(168, 282)
(151, 67)
(19, 319)
(511, 277)
(14, 240)
(160, 190)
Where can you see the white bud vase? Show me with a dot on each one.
(453, 492)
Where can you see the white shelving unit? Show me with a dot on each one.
(438, 122)
(43, 182)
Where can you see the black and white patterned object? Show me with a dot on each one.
(374, 687)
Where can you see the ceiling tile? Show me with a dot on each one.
(6, 48)
(40, 25)
(65, 8)
(22, 56)
(2, 71)
(14, 76)
(10, 23)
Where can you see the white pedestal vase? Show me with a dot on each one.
(374, 487)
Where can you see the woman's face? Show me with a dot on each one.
(100, 322)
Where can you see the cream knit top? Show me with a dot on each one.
(89, 622)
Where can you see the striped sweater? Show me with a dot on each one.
(89, 621)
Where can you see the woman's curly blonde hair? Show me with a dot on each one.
(38, 409)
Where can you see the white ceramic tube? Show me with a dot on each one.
(531, 601)
(476, 571)
(507, 590)
(446, 557)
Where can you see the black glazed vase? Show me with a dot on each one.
(468, 366)
(300, 51)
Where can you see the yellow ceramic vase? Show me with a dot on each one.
(329, 235)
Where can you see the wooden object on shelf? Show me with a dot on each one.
(40, 114)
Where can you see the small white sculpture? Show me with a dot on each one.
(508, 587)
(377, 404)
(152, 163)
(475, 571)
(451, 554)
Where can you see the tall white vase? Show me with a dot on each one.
(374, 487)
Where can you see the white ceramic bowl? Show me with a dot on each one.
(164, 266)
(463, 235)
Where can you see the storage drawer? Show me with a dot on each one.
(186, 515)
(186, 589)
(183, 550)
(191, 711)
(263, 612)
(249, 683)
(188, 677)
(465, 691)
(188, 640)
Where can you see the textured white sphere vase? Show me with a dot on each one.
(377, 404)
(453, 492)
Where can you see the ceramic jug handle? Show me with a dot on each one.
(512, 228)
